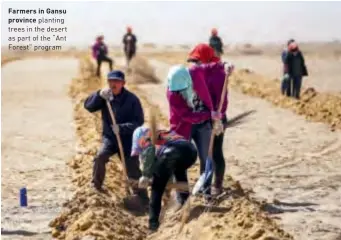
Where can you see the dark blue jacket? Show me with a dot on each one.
(128, 113)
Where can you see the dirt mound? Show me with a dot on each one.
(142, 71)
(315, 106)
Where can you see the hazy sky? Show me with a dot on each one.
(190, 22)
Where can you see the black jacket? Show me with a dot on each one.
(288, 61)
(129, 41)
(216, 43)
(128, 113)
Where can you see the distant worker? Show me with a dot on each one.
(100, 53)
(129, 115)
(216, 43)
(296, 69)
(285, 84)
(172, 154)
(129, 41)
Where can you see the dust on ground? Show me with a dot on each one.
(37, 138)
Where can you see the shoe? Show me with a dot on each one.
(96, 187)
(153, 227)
(216, 191)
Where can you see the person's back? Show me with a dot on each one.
(216, 43)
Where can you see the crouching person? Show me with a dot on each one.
(129, 115)
(171, 155)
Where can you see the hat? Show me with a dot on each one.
(116, 75)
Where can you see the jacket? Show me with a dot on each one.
(129, 40)
(99, 50)
(289, 60)
(182, 116)
(216, 44)
(128, 113)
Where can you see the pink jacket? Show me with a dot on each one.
(182, 116)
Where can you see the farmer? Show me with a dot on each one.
(129, 41)
(129, 115)
(216, 43)
(215, 75)
(189, 98)
(285, 84)
(295, 67)
(100, 53)
(172, 154)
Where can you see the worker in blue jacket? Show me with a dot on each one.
(129, 115)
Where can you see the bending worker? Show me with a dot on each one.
(172, 154)
(129, 115)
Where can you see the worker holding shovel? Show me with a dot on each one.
(171, 154)
(217, 80)
(117, 130)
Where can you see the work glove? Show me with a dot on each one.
(144, 182)
(116, 129)
(216, 115)
(229, 68)
(218, 127)
(106, 94)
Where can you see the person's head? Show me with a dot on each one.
(214, 32)
(116, 81)
(100, 38)
(141, 136)
(290, 41)
(293, 47)
(129, 29)
(179, 80)
(202, 53)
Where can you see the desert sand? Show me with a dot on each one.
(37, 139)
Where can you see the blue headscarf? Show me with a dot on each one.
(180, 80)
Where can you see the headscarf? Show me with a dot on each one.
(214, 32)
(140, 134)
(203, 53)
(179, 79)
(293, 46)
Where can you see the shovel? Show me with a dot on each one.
(209, 160)
(113, 119)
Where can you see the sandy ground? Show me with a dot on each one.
(37, 139)
(291, 163)
(324, 73)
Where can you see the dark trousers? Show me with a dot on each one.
(101, 59)
(296, 86)
(218, 160)
(108, 149)
(176, 158)
(129, 55)
(293, 87)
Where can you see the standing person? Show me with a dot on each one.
(129, 42)
(216, 43)
(172, 154)
(129, 115)
(100, 53)
(285, 84)
(215, 78)
(296, 68)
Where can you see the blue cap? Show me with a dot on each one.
(115, 75)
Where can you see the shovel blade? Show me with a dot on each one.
(204, 177)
